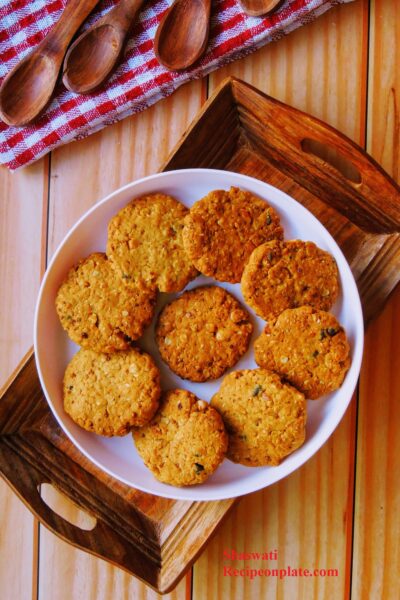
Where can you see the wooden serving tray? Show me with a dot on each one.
(239, 129)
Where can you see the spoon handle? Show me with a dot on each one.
(59, 37)
(124, 14)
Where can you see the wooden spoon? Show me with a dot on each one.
(256, 8)
(28, 87)
(182, 35)
(92, 57)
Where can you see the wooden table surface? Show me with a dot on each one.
(342, 509)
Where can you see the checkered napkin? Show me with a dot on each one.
(140, 80)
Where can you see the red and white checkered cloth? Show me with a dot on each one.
(140, 80)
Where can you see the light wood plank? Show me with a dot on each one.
(321, 69)
(383, 135)
(377, 516)
(23, 204)
(81, 174)
(67, 573)
(18, 539)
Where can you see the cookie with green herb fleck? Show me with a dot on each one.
(203, 333)
(109, 394)
(100, 310)
(307, 347)
(185, 442)
(145, 243)
(281, 275)
(223, 228)
(265, 418)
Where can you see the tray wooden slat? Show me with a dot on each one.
(239, 129)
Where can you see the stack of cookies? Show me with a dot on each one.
(156, 245)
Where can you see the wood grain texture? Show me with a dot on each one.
(19, 534)
(131, 149)
(321, 69)
(23, 204)
(376, 560)
(383, 134)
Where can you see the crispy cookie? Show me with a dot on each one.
(145, 242)
(111, 393)
(282, 275)
(222, 230)
(101, 311)
(308, 348)
(203, 333)
(185, 442)
(265, 418)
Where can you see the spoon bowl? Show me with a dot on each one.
(182, 35)
(93, 56)
(91, 59)
(20, 94)
(258, 8)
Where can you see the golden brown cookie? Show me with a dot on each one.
(203, 333)
(282, 275)
(264, 417)
(222, 230)
(185, 442)
(111, 393)
(308, 348)
(101, 311)
(145, 242)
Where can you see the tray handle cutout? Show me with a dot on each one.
(65, 508)
(27, 481)
(71, 532)
(331, 155)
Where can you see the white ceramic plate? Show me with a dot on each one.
(53, 349)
